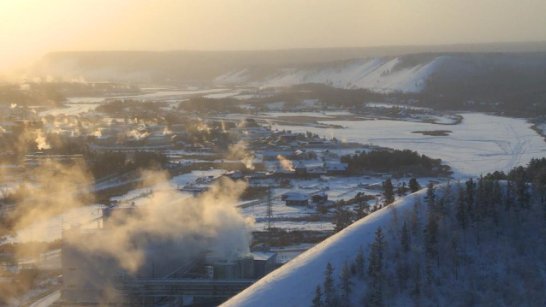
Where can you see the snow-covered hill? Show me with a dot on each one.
(380, 74)
(294, 283)
(470, 244)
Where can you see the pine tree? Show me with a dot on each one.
(375, 263)
(375, 270)
(346, 284)
(461, 210)
(469, 196)
(388, 192)
(405, 238)
(417, 277)
(431, 236)
(522, 193)
(414, 185)
(329, 290)
(317, 300)
(342, 219)
(360, 262)
(361, 209)
(431, 197)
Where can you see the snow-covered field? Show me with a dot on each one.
(481, 143)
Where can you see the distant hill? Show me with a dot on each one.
(204, 66)
(447, 76)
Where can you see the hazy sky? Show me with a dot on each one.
(30, 28)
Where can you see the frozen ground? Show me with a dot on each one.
(480, 144)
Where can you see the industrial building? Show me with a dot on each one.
(169, 275)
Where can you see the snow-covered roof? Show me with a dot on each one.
(295, 196)
(262, 255)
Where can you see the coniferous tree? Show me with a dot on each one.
(496, 199)
(470, 196)
(342, 219)
(360, 262)
(361, 209)
(405, 238)
(414, 185)
(431, 197)
(388, 192)
(461, 210)
(346, 284)
(317, 299)
(329, 290)
(431, 237)
(417, 278)
(375, 270)
(401, 189)
(522, 193)
(509, 201)
(375, 262)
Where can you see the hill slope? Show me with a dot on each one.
(475, 244)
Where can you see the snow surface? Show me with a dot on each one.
(384, 75)
(294, 283)
(480, 144)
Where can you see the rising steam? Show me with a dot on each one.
(286, 164)
(239, 151)
(210, 222)
(41, 140)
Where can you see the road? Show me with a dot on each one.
(47, 300)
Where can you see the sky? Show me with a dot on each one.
(31, 28)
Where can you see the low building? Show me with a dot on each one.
(336, 167)
(295, 198)
(319, 197)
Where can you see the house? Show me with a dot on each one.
(294, 198)
(319, 197)
(336, 167)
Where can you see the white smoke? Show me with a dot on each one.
(239, 151)
(41, 140)
(137, 134)
(210, 222)
(286, 164)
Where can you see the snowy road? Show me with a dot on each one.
(47, 300)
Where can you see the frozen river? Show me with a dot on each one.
(480, 144)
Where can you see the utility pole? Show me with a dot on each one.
(269, 215)
(269, 208)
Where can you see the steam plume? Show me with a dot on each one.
(286, 164)
(239, 151)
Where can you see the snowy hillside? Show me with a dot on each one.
(475, 243)
(294, 284)
(383, 75)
